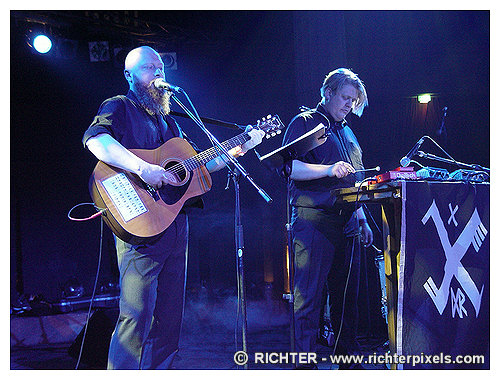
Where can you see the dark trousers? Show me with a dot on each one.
(152, 286)
(324, 257)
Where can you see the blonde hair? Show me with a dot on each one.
(337, 79)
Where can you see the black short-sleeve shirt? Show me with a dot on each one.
(340, 145)
(128, 122)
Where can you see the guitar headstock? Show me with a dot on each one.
(272, 125)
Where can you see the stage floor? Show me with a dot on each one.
(208, 339)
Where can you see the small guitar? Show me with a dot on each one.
(134, 210)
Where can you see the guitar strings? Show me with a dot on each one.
(201, 157)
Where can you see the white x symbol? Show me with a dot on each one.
(452, 216)
(474, 233)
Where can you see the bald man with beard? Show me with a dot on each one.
(152, 275)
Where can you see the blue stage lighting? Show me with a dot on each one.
(42, 44)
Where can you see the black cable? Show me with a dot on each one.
(92, 297)
(98, 213)
(367, 211)
(350, 267)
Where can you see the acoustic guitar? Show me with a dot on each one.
(134, 210)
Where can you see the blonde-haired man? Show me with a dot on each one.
(324, 247)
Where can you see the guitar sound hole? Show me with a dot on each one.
(179, 172)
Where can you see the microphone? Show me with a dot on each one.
(441, 130)
(162, 85)
(405, 161)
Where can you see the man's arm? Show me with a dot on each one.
(256, 136)
(302, 171)
(110, 151)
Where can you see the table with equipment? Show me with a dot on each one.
(436, 253)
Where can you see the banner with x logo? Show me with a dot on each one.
(444, 276)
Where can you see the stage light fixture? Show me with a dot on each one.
(424, 98)
(42, 44)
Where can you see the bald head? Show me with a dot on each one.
(135, 56)
(143, 65)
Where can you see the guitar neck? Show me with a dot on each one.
(211, 153)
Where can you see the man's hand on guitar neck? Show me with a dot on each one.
(256, 136)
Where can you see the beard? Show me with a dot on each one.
(154, 100)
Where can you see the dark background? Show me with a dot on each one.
(236, 66)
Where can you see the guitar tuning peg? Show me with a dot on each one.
(268, 116)
(268, 136)
(278, 131)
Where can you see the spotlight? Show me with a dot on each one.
(42, 44)
(424, 98)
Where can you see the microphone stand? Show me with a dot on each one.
(208, 120)
(217, 144)
(441, 132)
(235, 173)
(239, 243)
(274, 161)
(291, 268)
(431, 156)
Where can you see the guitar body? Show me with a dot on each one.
(134, 212)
